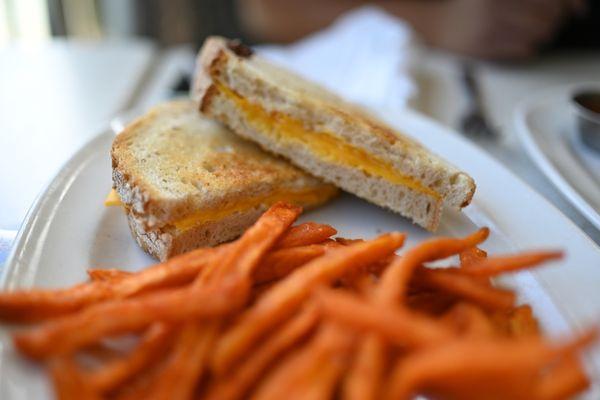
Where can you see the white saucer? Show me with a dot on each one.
(546, 126)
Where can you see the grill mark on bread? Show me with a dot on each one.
(239, 48)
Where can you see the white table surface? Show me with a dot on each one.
(74, 88)
(53, 98)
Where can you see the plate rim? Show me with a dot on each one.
(524, 108)
(30, 222)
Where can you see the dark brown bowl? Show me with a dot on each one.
(587, 108)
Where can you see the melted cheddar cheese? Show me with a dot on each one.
(112, 199)
(299, 197)
(303, 197)
(322, 144)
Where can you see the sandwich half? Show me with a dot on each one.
(187, 182)
(324, 135)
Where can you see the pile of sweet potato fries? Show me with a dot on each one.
(287, 312)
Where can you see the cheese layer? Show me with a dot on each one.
(112, 199)
(306, 197)
(322, 144)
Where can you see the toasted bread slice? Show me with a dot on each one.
(186, 181)
(324, 135)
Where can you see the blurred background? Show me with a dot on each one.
(168, 22)
(495, 29)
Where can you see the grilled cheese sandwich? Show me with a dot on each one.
(322, 134)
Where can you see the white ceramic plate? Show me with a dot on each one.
(69, 230)
(546, 126)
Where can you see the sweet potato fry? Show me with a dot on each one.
(98, 274)
(72, 332)
(471, 256)
(346, 241)
(175, 271)
(277, 304)
(394, 281)
(563, 381)
(513, 387)
(186, 363)
(140, 386)
(39, 304)
(493, 361)
(521, 322)
(465, 287)
(245, 254)
(235, 385)
(396, 325)
(576, 343)
(431, 302)
(471, 360)
(374, 269)
(311, 372)
(102, 352)
(363, 284)
(368, 370)
(469, 320)
(151, 347)
(305, 234)
(496, 265)
(364, 378)
(68, 381)
(281, 262)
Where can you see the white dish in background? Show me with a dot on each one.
(546, 126)
(69, 230)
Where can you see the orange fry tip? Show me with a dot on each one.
(484, 233)
(555, 255)
(287, 206)
(585, 339)
(306, 233)
(398, 238)
(510, 263)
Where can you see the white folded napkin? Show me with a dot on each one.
(362, 56)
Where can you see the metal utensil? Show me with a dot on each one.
(587, 109)
(473, 122)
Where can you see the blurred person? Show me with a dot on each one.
(173, 22)
(491, 29)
